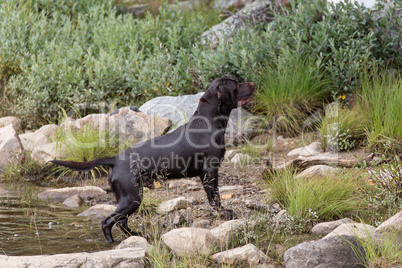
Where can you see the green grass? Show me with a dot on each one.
(381, 102)
(347, 122)
(326, 198)
(289, 92)
(84, 145)
(384, 252)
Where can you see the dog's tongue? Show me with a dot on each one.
(242, 102)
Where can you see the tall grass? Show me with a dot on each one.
(381, 102)
(289, 91)
(382, 252)
(349, 129)
(328, 198)
(84, 145)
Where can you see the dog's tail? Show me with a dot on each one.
(86, 166)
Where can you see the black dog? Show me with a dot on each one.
(194, 149)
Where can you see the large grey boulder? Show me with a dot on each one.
(42, 136)
(117, 258)
(241, 125)
(246, 254)
(42, 154)
(189, 241)
(125, 126)
(59, 195)
(337, 249)
(392, 227)
(11, 120)
(10, 147)
(178, 109)
(256, 11)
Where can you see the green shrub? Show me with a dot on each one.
(87, 52)
(342, 131)
(289, 92)
(346, 36)
(381, 102)
(326, 198)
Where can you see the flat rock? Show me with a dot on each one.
(136, 242)
(309, 150)
(324, 228)
(189, 241)
(42, 154)
(318, 170)
(117, 258)
(222, 232)
(11, 120)
(59, 195)
(74, 201)
(42, 136)
(98, 211)
(231, 188)
(173, 204)
(10, 147)
(246, 254)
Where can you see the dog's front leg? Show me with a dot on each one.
(209, 180)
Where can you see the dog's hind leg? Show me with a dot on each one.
(209, 179)
(129, 200)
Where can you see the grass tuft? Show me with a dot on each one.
(289, 92)
(381, 102)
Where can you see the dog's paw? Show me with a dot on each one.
(226, 214)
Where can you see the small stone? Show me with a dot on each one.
(227, 196)
(231, 188)
(189, 241)
(248, 253)
(178, 219)
(325, 228)
(137, 242)
(260, 206)
(223, 231)
(98, 211)
(312, 149)
(241, 160)
(74, 201)
(174, 204)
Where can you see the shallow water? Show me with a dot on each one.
(29, 226)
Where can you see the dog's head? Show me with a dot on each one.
(232, 94)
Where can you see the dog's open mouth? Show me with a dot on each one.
(244, 102)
